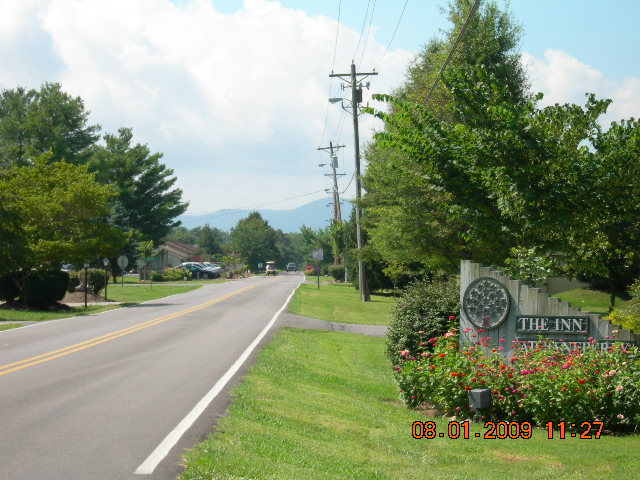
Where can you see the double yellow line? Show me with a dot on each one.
(62, 352)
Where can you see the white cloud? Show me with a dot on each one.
(565, 79)
(241, 96)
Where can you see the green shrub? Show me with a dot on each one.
(625, 320)
(175, 274)
(97, 280)
(336, 271)
(156, 277)
(537, 385)
(9, 289)
(426, 308)
(74, 281)
(42, 289)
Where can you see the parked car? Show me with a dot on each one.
(291, 267)
(199, 271)
(215, 268)
(270, 269)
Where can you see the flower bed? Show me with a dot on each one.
(541, 384)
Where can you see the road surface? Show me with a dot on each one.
(120, 395)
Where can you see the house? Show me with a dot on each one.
(172, 254)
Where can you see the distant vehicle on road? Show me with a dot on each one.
(291, 267)
(270, 269)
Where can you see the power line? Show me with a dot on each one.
(392, 36)
(366, 14)
(364, 47)
(453, 49)
(335, 51)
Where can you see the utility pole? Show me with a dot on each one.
(352, 81)
(337, 215)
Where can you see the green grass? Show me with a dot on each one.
(9, 326)
(129, 294)
(594, 301)
(340, 303)
(323, 278)
(145, 292)
(322, 405)
(44, 315)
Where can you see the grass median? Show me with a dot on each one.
(323, 405)
(340, 303)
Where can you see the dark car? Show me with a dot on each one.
(291, 267)
(199, 271)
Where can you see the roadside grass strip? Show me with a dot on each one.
(45, 357)
(144, 293)
(340, 303)
(323, 405)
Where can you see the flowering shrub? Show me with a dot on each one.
(540, 384)
(424, 311)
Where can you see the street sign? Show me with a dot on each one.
(123, 261)
(317, 254)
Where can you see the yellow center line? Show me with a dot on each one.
(45, 357)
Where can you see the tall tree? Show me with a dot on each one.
(255, 240)
(146, 200)
(409, 216)
(209, 240)
(33, 122)
(61, 211)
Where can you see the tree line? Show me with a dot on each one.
(69, 194)
(469, 165)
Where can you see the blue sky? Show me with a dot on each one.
(235, 92)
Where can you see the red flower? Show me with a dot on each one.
(580, 381)
(454, 374)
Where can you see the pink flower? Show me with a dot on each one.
(448, 334)
(620, 416)
(619, 388)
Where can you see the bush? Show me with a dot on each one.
(170, 275)
(538, 385)
(336, 271)
(74, 281)
(428, 306)
(97, 280)
(9, 290)
(42, 289)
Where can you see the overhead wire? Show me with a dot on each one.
(335, 51)
(364, 47)
(386, 50)
(366, 15)
(453, 49)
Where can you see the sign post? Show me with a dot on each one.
(105, 262)
(86, 283)
(318, 255)
(123, 261)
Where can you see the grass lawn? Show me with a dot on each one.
(323, 405)
(129, 294)
(340, 303)
(44, 315)
(594, 301)
(145, 291)
(9, 326)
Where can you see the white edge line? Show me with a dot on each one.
(149, 465)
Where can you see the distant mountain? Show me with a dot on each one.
(314, 215)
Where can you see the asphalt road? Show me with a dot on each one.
(101, 397)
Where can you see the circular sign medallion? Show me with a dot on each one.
(486, 302)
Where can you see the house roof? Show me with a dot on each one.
(179, 249)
